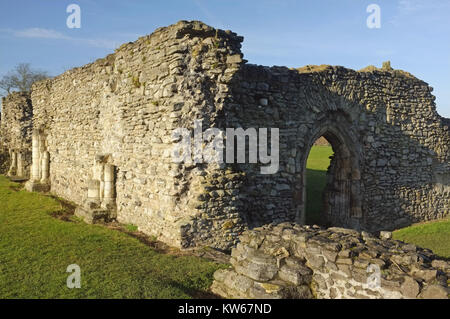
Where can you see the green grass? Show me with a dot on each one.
(36, 248)
(317, 166)
(433, 235)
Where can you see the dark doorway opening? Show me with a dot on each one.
(317, 166)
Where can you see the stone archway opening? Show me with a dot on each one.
(317, 165)
(337, 193)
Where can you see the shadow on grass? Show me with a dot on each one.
(315, 185)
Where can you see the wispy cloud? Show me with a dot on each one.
(39, 33)
(425, 10)
(412, 6)
(42, 33)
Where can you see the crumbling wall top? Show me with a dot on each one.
(220, 39)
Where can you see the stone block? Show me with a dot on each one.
(32, 186)
(296, 275)
(92, 216)
(260, 268)
(410, 288)
(434, 292)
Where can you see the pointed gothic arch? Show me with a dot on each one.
(342, 196)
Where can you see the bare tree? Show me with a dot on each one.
(21, 78)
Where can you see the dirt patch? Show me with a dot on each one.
(147, 240)
(66, 212)
(16, 185)
(204, 252)
(15, 188)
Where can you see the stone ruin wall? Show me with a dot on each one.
(303, 262)
(397, 163)
(392, 148)
(386, 118)
(15, 135)
(125, 107)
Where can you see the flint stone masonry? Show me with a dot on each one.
(390, 167)
(15, 135)
(292, 261)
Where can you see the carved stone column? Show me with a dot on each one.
(109, 185)
(45, 167)
(20, 172)
(13, 167)
(35, 164)
(40, 167)
(93, 196)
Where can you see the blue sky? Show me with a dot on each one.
(414, 34)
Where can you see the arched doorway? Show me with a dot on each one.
(341, 200)
(317, 166)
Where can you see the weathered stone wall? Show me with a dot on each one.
(126, 106)
(15, 134)
(392, 158)
(387, 121)
(117, 115)
(291, 261)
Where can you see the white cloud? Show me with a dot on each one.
(42, 33)
(422, 11)
(412, 6)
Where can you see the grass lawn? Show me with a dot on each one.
(36, 249)
(433, 235)
(317, 166)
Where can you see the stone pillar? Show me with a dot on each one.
(109, 185)
(93, 192)
(100, 204)
(42, 145)
(102, 180)
(35, 166)
(45, 166)
(19, 159)
(40, 166)
(97, 170)
(13, 167)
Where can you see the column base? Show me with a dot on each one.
(93, 215)
(18, 179)
(33, 186)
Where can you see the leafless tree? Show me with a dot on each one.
(21, 78)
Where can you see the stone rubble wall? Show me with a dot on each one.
(391, 165)
(387, 119)
(15, 131)
(400, 149)
(292, 261)
(127, 105)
